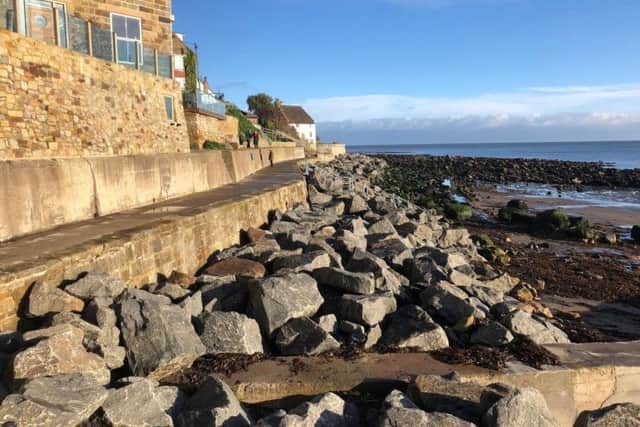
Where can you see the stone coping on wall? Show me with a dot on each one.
(139, 244)
(593, 376)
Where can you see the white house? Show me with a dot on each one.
(302, 122)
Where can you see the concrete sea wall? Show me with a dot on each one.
(180, 242)
(37, 195)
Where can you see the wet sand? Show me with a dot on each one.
(608, 217)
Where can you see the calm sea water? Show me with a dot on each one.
(623, 155)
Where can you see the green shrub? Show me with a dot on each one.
(211, 145)
(245, 127)
(458, 211)
(635, 233)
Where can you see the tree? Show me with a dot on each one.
(263, 106)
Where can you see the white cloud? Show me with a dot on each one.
(528, 102)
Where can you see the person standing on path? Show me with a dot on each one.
(271, 157)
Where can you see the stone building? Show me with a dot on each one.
(301, 122)
(88, 78)
(139, 23)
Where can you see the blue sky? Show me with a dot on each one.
(470, 65)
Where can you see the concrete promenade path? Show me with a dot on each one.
(46, 245)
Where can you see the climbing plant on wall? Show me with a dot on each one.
(191, 70)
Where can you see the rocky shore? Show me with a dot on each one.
(428, 172)
(356, 270)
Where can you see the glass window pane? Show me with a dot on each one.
(78, 35)
(62, 24)
(127, 52)
(101, 43)
(168, 106)
(164, 66)
(148, 60)
(118, 25)
(133, 28)
(7, 15)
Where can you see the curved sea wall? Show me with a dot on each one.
(37, 195)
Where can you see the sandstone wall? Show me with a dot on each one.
(37, 195)
(154, 14)
(137, 256)
(58, 103)
(204, 127)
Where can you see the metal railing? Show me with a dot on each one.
(203, 102)
(90, 39)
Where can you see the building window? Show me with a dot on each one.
(128, 31)
(8, 17)
(168, 107)
(47, 21)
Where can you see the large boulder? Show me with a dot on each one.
(393, 251)
(399, 411)
(45, 299)
(346, 281)
(306, 262)
(620, 415)
(303, 336)
(318, 243)
(448, 303)
(95, 285)
(538, 330)
(105, 341)
(526, 407)
(282, 297)
(347, 242)
(357, 205)
(229, 332)
(237, 267)
(59, 350)
(58, 401)
(492, 334)
(142, 403)
(383, 227)
(367, 310)
(158, 336)
(318, 198)
(223, 293)
(100, 312)
(412, 327)
(327, 410)
(213, 405)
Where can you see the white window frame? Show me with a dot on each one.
(140, 54)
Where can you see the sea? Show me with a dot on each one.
(618, 154)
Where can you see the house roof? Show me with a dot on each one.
(295, 114)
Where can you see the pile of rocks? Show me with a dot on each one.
(357, 267)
